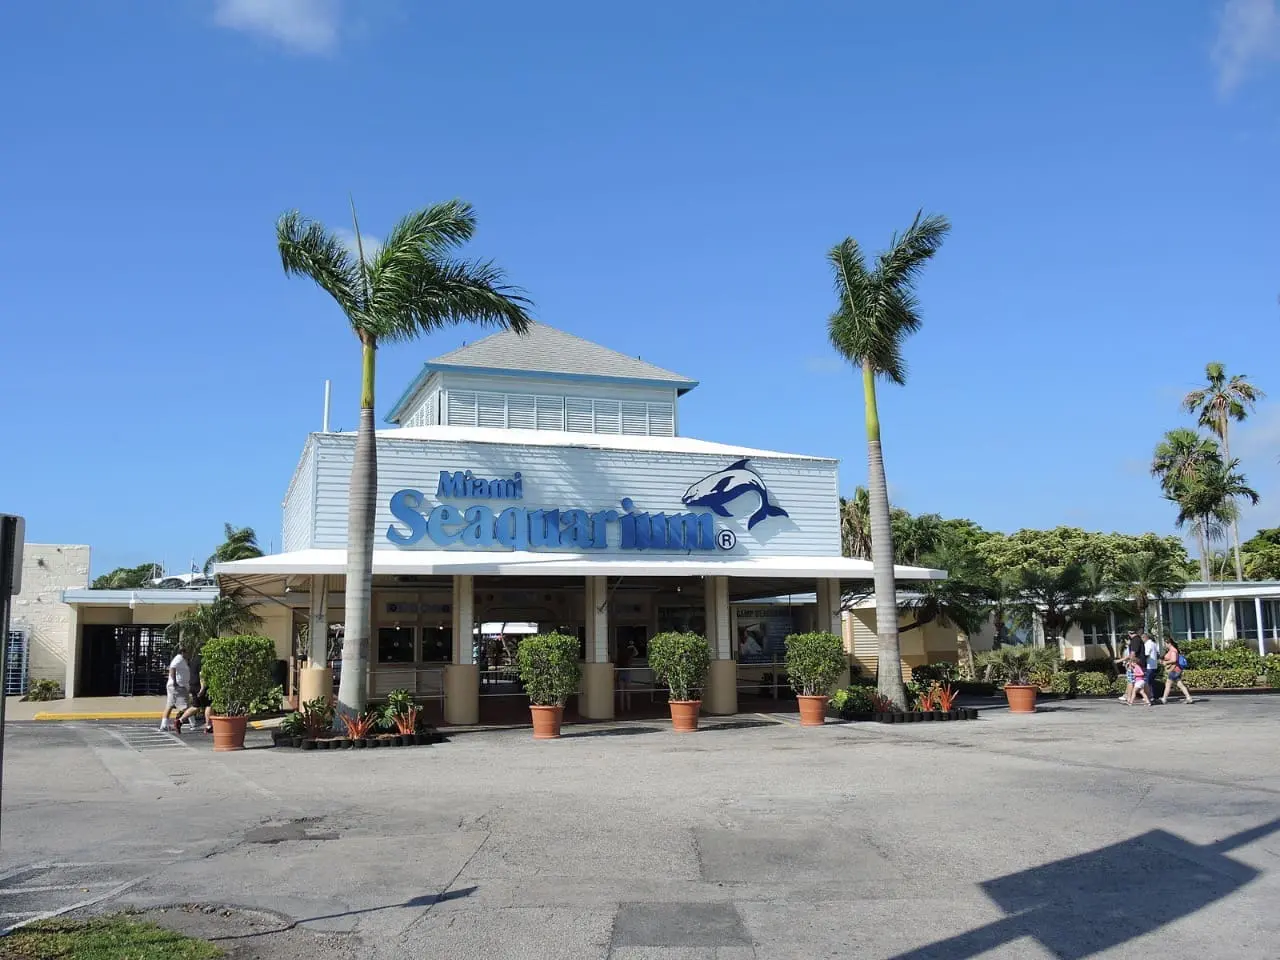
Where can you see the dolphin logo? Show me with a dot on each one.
(716, 490)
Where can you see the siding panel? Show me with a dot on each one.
(298, 501)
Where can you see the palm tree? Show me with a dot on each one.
(855, 525)
(193, 628)
(1178, 461)
(1209, 502)
(1143, 578)
(1217, 404)
(241, 543)
(1057, 596)
(914, 536)
(410, 286)
(962, 600)
(877, 310)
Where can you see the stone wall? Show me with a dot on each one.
(50, 624)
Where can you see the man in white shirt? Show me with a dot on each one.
(1151, 649)
(177, 690)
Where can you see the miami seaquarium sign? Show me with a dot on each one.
(489, 524)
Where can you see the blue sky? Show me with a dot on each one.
(664, 179)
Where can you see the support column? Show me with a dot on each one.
(721, 694)
(828, 620)
(595, 698)
(316, 679)
(462, 677)
(74, 647)
(1262, 634)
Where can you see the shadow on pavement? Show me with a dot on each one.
(1083, 905)
(608, 732)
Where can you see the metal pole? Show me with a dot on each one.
(328, 384)
(8, 554)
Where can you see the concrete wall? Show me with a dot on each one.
(50, 624)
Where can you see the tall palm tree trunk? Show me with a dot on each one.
(1235, 524)
(353, 687)
(889, 659)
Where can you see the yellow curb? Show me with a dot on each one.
(122, 715)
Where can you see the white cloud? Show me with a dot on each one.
(1248, 37)
(308, 26)
(370, 243)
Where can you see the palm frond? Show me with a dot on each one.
(307, 249)
(443, 293)
(900, 265)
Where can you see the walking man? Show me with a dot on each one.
(177, 691)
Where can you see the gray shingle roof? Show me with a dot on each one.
(548, 350)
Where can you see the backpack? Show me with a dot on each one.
(1182, 662)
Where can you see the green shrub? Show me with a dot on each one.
(1271, 664)
(1063, 682)
(270, 702)
(237, 671)
(292, 724)
(1194, 646)
(1015, 664)
(681, 661)
(1092, 665)
(1093, 684)
(548, 667)
(854, 700)
(1219, 678)
(1234, 657)
(941, 672)
(43, 690)
(815, 662)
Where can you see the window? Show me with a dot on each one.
(608, 416)
(550, 413)
(662, 420)
(462, 408)
(520, 412)
(1246, 620)
(635, 418)
(395, 644)
(437, 644)
(492, 409)
(579, 415)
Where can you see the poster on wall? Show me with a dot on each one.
(762, 633)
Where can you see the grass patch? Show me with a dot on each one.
(103, 938)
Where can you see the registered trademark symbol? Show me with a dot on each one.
(726, 539)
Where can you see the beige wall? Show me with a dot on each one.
(931, 643)
(50, 624)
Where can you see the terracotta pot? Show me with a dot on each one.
(684, 715)
(546, 721)
(813, 710)
(1022, 699)
(228, 732)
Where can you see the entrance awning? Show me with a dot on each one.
(529, 564)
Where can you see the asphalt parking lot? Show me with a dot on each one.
(1088, 829)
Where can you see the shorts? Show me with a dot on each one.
(176, 698)
(1175, 674)
(1139, 682)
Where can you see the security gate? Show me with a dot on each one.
(15, 667)
(144, 660)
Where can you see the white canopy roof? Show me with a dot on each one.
(561, 564)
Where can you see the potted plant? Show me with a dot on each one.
(401, 713)
(548, 668)
(1014, 665)
(814, 664)
(358, 728)
(681, 661)
(317, 721)
(291, 729)
(236, 671)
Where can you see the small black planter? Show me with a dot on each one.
(422, 739)
(308, 744)
(939, 714)
(970, 713)
(928, 715)
(342, 743)
(397, 741)
(295, 741)
(324, 744)
(944, 714)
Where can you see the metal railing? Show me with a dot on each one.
(500, 682)
(763, 677)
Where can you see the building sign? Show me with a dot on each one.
(482, 525)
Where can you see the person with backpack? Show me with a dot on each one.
(1174, 664)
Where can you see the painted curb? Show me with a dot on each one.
(122, 715)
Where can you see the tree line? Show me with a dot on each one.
(239, 543)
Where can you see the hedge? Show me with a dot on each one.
(1092, 665)
(1093, 684)
(1218, 679)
